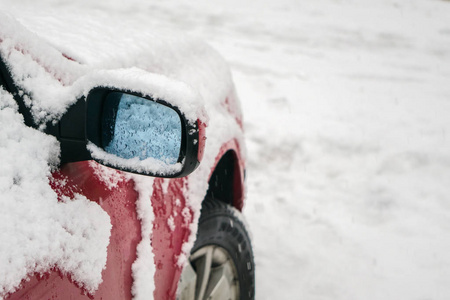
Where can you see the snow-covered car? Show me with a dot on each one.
(123, 165)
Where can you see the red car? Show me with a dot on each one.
(146, 184)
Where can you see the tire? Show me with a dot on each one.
(222, 257)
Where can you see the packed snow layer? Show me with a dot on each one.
(144, 266)
(40, 71)
(38, 232)
(51, 82)
(346, 108)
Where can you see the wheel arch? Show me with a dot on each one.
(226, 182)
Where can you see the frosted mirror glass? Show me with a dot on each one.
(135, 127)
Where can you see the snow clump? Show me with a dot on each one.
(43, 232)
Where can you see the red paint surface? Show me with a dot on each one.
(166, 243)
(201, 140)
(120, 204)
(125, 235)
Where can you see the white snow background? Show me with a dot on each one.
(347, 107)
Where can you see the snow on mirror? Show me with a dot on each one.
(134, 127)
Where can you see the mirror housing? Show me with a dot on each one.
(83, 135)
(136, 133)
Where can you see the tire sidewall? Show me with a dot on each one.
(219, 226)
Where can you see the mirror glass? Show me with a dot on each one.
(135, 127)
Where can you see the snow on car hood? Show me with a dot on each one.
(38, 232)
(183, 71)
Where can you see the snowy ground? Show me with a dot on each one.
(347, 106)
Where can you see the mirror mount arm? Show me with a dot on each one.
(70, 132)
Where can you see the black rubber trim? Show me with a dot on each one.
(10, 86)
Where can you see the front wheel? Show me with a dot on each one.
(221, 262)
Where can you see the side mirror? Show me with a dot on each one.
(138, 134)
